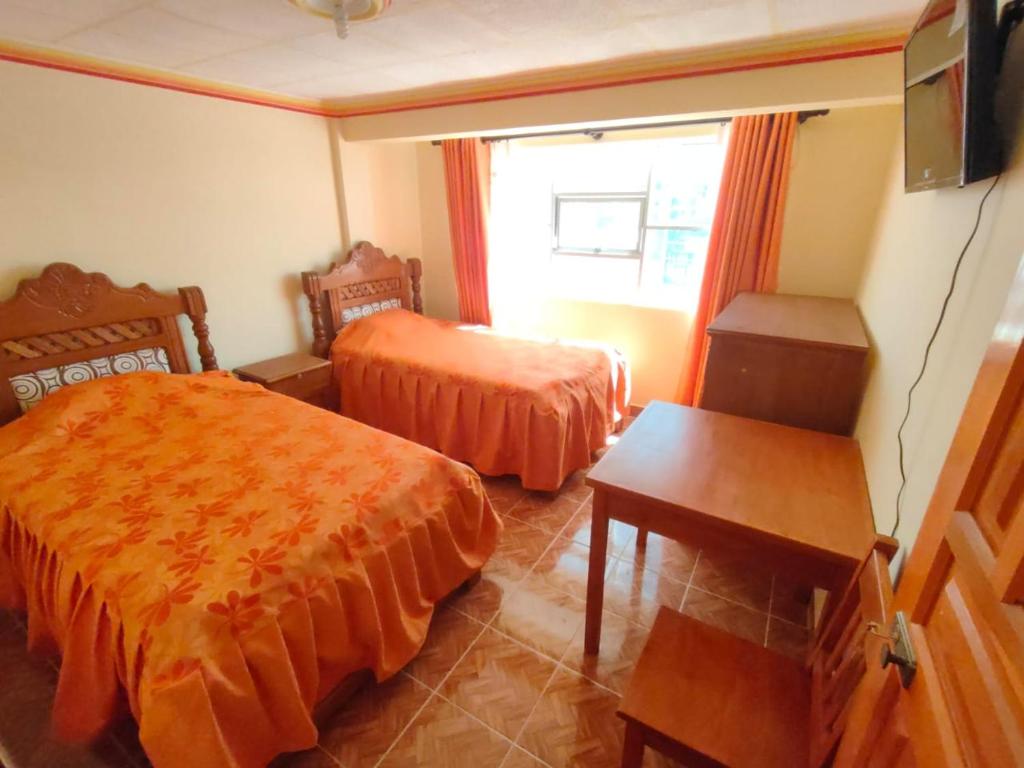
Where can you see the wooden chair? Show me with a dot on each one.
(708, 698)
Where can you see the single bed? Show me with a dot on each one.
(505, 405)
(221, 557)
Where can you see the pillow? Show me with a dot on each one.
(31, 388)
(348, 314)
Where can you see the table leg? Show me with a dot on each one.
(633, 748)
(641, 538)
(595, 577)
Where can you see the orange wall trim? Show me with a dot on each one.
(626, 72)
(83, 65)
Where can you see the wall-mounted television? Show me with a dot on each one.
(950, 63)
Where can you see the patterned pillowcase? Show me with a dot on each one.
(31, 388)
(348, 314)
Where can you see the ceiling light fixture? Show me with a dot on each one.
(343, 12)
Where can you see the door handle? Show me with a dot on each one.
(897, 649)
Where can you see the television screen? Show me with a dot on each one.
(949, 65)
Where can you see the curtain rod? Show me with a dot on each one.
(597, 133)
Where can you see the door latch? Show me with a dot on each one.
(898, 649)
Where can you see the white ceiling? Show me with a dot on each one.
(270, 45)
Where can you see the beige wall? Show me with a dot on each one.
(392, 194)
(840, 166)
(173, 189)
(846, 82)
(908, 272)
(380, 195)
(440, 296)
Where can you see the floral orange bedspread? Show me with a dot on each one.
(506, 405)
(224, 555)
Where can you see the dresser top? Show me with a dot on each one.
(806, 319)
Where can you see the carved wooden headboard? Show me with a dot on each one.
(68, 316)
(369, 275)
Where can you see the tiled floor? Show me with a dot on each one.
(502, 679)
(27, 688)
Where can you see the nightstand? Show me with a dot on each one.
(298, 375)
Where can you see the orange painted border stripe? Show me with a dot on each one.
(112, 72)
(681, 70)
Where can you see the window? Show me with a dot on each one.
(622, 221)
(599, 225)
(678, 227)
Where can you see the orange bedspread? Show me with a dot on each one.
(505, 405)
(223, 554)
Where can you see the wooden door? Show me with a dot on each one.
(962, 593)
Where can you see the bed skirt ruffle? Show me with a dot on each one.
(249, 705)
(502, 405)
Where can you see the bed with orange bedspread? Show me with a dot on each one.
(224, 555)
(505, 405)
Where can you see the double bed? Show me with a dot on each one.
(533, 408)
(220, 557)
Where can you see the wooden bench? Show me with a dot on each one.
(707, 698)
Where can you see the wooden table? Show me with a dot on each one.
(796, 500)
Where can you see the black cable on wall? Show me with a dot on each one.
(928, 348)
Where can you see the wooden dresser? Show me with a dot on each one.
(796, 360)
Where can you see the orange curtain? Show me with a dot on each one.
(743, 254)
(467, 175)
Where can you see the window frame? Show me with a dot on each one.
(634, 255)
(613, 197)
